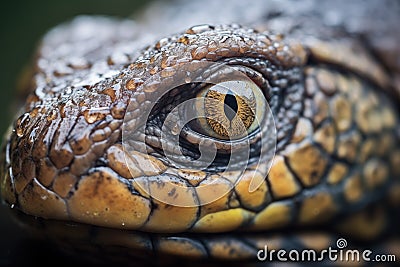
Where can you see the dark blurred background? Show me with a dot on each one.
(22, 23)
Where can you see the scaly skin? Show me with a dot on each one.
(337, 157)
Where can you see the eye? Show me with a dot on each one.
(229, 110)
(209, 116)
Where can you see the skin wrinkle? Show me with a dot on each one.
(276, 63)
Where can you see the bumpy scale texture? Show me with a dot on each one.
(337, 158)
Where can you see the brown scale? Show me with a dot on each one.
(63, 158)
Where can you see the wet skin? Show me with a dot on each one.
(335, 172)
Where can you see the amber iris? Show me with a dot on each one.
(232, 117)
(230, 110)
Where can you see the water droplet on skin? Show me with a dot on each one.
(33, 134)
(175, 130)
(22, 123)
(20, 132)
(123, 224)
(43, 197)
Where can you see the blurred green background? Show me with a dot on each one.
(22, 23)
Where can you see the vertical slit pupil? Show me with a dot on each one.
(230, 105)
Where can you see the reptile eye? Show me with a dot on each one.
(229, 110)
